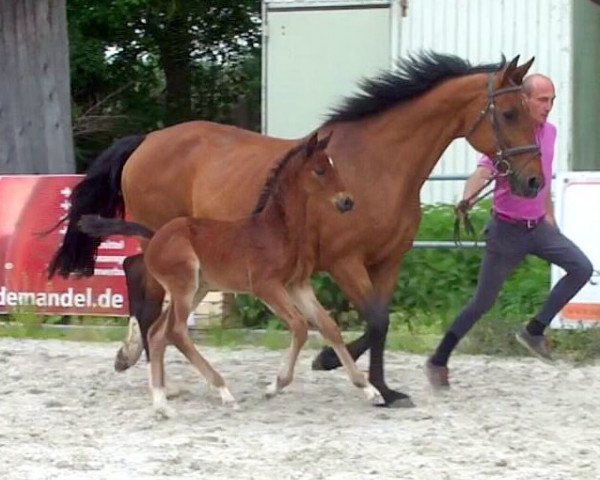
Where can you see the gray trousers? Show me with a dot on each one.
(507, 245)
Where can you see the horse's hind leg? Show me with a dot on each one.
(183, 301)
(306, 301)
(279, 301)
(158, 343)
(145, 304)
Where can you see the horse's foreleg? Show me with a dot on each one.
(306, 301)
(145, 304)
(355, 281)
(357, 290)
(280, 303)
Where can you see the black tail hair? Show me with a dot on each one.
(98, 193)
(101, 227)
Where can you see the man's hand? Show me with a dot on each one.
(461, 211)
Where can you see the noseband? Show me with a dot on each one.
(499, 159)
(503, 152)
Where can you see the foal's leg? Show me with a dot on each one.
(145, 304)
(305, 299)
(278, 300)
(179, 334)
(158, 343)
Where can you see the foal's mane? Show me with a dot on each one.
(271, 182)
(412, 77)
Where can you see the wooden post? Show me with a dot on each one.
(35, 112)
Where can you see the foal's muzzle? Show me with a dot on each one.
(343, 202)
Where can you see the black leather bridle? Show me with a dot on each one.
(500, 158)
(503, 152)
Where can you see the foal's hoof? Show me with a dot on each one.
(395, 399)
(326, 360)
(163, 412)
(271, 392)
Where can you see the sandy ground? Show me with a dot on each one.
(64, 414)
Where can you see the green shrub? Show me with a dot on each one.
(433, 284)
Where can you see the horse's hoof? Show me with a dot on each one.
(121, 361)
(326, 360)
(395, 399)
(401, 403)
(437, 376)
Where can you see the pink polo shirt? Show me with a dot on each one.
(506, 202)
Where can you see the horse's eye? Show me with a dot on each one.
(511, 115)
(320, 171)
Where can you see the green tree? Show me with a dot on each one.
(138, 65)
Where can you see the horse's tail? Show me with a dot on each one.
(101, 227)
(98, 193)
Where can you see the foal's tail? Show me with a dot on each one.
(101, 227)
(98, 193)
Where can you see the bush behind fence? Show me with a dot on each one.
(433, 284)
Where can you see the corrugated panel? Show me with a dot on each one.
(480, 31)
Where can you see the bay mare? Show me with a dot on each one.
(262, 255)
(387, 140)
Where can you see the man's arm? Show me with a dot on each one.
(549, 209)
(476, 181)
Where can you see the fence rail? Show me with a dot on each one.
(441, 244)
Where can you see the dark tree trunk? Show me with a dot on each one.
(35, 108)
(175, 60)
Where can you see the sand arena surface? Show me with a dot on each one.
(64, 414)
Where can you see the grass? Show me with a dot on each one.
(271, 338)
(491, 336)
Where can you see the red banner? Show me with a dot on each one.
(30, 204)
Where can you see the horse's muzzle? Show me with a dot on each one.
(343, 202)
(527, 187)
(533, 186)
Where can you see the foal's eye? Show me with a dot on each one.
(511, 115)
(320, 171)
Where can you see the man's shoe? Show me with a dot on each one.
(536, 344)
(437, 375)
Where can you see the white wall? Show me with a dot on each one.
(480, 31)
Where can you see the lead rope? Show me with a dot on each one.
(461, 210)
(461, 213)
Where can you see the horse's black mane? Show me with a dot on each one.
(411, 77)
(273, 177)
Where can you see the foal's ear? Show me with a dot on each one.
(322, 144)
(520, 72)
(312, 143)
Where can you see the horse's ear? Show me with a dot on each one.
(311, 145)
(521, 71)
(322, 145)
(509, 70)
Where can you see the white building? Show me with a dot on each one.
(314, 52)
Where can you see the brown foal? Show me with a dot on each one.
(264, 255)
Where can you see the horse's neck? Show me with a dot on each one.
(409, 139)
(286, 212)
